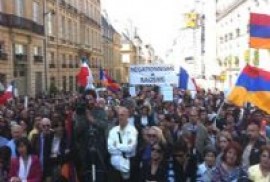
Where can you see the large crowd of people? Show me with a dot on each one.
(113, 137)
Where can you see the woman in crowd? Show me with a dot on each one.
(223, 140)
(152, 136)
(261, 171)
(25, 167)
(155, 169)
(229, 170)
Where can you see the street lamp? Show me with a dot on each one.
(137, 43)
(45, 14)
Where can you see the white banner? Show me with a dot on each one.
(167, 93)
(153, 75)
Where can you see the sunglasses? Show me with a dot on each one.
(46, 126)
(179, 155)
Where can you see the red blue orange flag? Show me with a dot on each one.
(253, 86)
(259, 31)
(108, 82)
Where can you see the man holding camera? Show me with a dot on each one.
(89, 140)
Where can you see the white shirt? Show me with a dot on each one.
(144, 120)
(122, 151)
(131, 121)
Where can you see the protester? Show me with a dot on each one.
(230, 169)
(261, 171)
(16, 133)
(122, 142)
(154, 170)
(25, 167)
(116, 137)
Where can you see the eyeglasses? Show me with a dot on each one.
(46, 126)
(156, 150)
(179, 155)
(151, 135)
(265, 156)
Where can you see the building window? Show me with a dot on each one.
(230, 36)
(64, 59)
(35, 12)
(60, 27)
(2, 47)
(75, 32)
(37, 51)
(19, 7)
(63, 23)
(238, 32)
(64, 81)
(70, 30)
(20, 49)
(51, 59)
(70, 61)
(71, 83)
(226, 38)
(50, 23)
(1, 5)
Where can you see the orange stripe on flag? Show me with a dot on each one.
(259, 43)
(239, 96)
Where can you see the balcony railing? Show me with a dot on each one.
(51, 65)
(38, 59)
(3, 56)
(20, 58)
(13, 21)
(64, 66)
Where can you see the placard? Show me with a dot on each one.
(153, 74)
(167, 93)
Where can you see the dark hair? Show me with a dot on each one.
(237, 148)
(168, 117)
(254, 123)
(91, 92)
(180, 145)
(23, 141)
(162, 146)
(5, 155)
(265, 148)
(208, 150)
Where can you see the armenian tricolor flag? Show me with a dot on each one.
(253, 86)
(108, 82)
(259, 31)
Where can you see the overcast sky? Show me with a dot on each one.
(158, 21)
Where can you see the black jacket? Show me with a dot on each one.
(254, 157)
(36, 144)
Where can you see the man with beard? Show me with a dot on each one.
(252, 145)
(90, 124)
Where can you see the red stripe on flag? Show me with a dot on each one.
(259, 19)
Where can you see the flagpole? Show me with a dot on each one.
(218, 112)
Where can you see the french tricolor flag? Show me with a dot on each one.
(186, 82)
(85, 77)
(8, 94)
